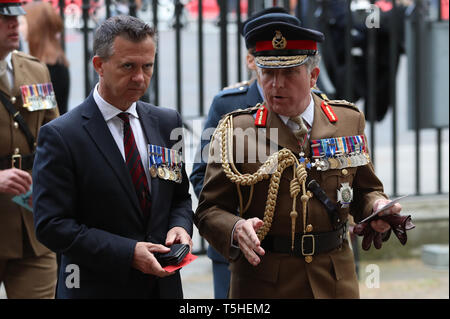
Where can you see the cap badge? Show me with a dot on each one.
(279, 42)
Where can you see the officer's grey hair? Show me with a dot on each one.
(131, 28)
(312, 62)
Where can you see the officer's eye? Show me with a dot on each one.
(127, 66)
(267, 71)
(290, 71)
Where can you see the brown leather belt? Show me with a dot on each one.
(308, 244)
(19, 161)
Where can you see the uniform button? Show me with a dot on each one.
(16, 125)
(241, 88)
(344, 172)
(309, 228)
(13, 100)
(16, 150)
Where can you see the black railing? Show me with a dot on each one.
(230, 62)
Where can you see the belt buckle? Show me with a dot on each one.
(313, 245)
(14, 158)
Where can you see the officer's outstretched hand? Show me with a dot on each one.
(245, 236)
(380, 225)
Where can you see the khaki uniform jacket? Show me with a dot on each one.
(16, 223)
(329, 275)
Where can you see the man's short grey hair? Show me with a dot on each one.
(131, 28)
(312, 62)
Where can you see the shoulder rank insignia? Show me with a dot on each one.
(261, 116)
(319, 93)
(249, 110)
(326, 108)
(343, 103)
(237, 85)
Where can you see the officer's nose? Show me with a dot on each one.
(12, 21)
(278, 79)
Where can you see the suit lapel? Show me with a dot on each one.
(100, 134)
(150, 125)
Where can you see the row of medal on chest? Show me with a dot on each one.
(340, 152)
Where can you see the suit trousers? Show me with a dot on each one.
(30, 277)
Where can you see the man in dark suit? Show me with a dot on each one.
(96, 199)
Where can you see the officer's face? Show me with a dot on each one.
(287, 90)
(9, 34)
(125, 76)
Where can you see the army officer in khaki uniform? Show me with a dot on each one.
(27, 268)
(285, 175)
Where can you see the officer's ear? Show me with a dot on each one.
(97, 62)
(251, 61)
(314, 75)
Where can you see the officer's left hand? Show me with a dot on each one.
(380, 225)
(178, 235)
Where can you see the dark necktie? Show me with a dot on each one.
(135, 167)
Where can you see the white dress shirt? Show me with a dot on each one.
(115, 125)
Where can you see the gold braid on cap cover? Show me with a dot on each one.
(282, 159)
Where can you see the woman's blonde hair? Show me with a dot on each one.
(44, 30)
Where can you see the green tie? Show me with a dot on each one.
(302, 130)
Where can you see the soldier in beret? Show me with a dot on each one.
(285, 174)
(27, 268)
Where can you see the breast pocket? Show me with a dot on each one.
(338, 185)
(332, 179)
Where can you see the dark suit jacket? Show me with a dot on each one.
(85, 206)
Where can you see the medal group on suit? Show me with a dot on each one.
(165, 163)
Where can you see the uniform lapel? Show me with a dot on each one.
(19, 75)
(98, 130)
(322, 127)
